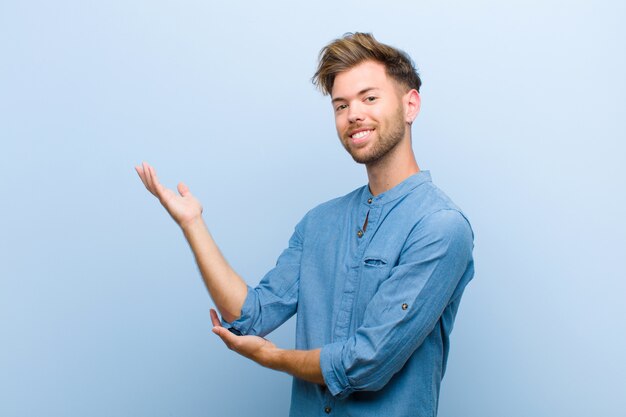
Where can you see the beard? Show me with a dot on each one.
(388, 139)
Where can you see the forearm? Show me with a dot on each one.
(303, 364)
(226, 288)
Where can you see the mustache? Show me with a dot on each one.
(359, 126)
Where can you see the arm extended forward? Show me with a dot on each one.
(227, 289)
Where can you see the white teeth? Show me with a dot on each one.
(361, 134)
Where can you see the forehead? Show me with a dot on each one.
(366, 75)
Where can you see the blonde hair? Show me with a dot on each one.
(354, 48)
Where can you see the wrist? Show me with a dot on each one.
(189, 225)
(274, 358)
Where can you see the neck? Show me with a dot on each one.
(389, 171)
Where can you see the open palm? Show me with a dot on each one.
(183, 207)
(252, 347)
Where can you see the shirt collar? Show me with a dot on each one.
(399, 190)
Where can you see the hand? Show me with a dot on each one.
(183, 208)
(303, 364)
(256, 348)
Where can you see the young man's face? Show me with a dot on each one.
(369, 112)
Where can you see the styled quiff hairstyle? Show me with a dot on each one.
(354, 48)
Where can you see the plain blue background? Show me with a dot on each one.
(102, 311)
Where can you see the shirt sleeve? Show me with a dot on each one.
(275, 299)
(434, 266)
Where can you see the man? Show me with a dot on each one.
(375, 276)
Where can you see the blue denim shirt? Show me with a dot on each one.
(380, 302)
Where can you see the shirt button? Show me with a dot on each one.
(369, 201)
(359, 233)
(405, 306)
(327, 410)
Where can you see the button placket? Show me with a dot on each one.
(344, 313)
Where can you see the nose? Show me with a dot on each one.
(355, 113)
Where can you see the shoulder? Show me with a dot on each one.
(435, 217)
(446, 222)
(442, 235)
(334, 206)
(429, 204)
(327, 215)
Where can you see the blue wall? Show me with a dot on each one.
(102, 311)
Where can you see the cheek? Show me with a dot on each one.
(339, 126)
(379, 114)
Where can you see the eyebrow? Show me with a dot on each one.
(360, 93)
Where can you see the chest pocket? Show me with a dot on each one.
(374, 262)
(374, 271)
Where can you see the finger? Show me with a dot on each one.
(227, 337)
(183, 189)
(215, 318)
(141, 174)
(146, 173)
(157, 186)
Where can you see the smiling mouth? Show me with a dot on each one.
(361, 135)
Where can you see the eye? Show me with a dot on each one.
(341, 107)
(371, 99)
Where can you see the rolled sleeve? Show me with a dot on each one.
(275, 299)
(333, 371)
(433, 268)
(244, 323)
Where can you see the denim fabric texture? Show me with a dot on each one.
(379, 301)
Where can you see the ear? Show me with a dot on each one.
(412, 105)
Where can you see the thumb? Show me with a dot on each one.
(183, 189)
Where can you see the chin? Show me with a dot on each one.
(362, 158)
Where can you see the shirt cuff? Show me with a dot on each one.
(244, 323)
(333, 371)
